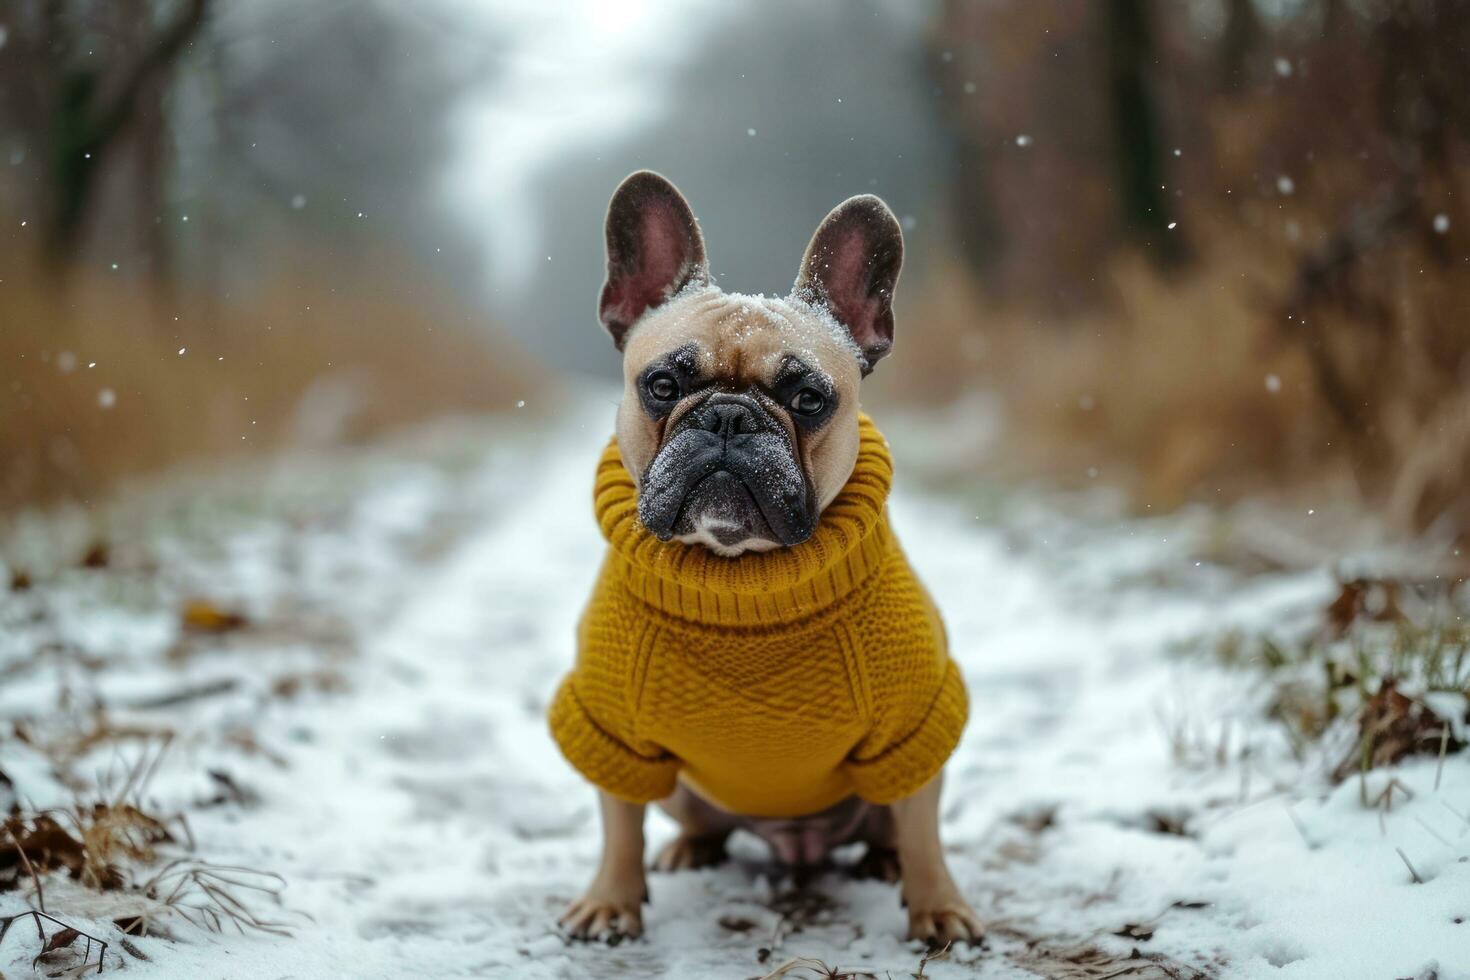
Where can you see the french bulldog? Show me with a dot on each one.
(702, 367)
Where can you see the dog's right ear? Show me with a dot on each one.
(654, 249)
(851, 268)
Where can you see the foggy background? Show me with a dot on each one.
(1193, 250)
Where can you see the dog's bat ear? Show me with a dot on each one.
(654, 249)
(851, 268)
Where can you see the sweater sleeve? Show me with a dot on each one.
(592, 716)
(598, 748)
(919, 710)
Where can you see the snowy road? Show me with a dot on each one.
(380, 724)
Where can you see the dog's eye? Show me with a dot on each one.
(663, 386)
(808, 401)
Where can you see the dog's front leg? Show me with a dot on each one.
(611, 908)
(938, 913)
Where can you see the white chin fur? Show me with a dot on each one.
(705, 535)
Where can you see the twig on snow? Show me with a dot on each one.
(1405, 858)
(30, 869)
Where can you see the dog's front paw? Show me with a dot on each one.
(944, 919)
(609, 912)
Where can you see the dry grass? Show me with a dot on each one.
(115, 843)
(1320, 241)
(1199, 387)
(1375, 679)
(1168, 392)
(313, 359)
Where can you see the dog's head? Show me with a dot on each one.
(739, 419)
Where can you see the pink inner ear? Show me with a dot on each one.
(846, 281)
(664, 251)
(846, 276)
(663, 262)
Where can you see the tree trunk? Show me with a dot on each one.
(1238, 45)
(88, 123)
(1137, 143)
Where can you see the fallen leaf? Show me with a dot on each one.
(1170, 823)
(1375, 600)
(736, 923)
(60, 939)
(1393, 726)
(46, 845)
(203, 616)
(97, 555)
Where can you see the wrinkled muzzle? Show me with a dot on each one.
(728, 466)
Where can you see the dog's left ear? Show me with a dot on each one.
(851, 267)
(654, 249)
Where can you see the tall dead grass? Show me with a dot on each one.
(1197, 387)
(99, 381)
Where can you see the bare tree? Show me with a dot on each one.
(1239, 44)
(1131, 66)
(76, 108)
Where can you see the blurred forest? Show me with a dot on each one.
(1197, 249)
(220, 233)
(1209, 247)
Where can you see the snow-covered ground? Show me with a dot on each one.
(376, 730)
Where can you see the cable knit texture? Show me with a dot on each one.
(776, 683)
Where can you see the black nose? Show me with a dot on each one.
(727, 419)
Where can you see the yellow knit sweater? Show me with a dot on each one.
(775, 684)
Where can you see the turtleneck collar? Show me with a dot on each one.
(692, 582)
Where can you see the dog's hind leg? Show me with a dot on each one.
(880, 860)
(703, 830)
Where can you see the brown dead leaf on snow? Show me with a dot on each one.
(736, 923)
(203, 616)
(42, 841)
(61, 939)
(97, 555)
(1393, 726)
(1367, 599)
(64, 938)
(104, 836)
